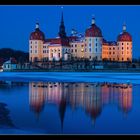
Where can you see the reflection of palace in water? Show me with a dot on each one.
(92, 97)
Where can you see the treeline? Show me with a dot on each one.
(19, 56)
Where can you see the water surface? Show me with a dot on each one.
(38, 107)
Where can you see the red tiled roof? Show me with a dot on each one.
(93, 31)
(125, 36)
(62, 41)
(37, 35)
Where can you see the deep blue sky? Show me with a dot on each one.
(17, 22)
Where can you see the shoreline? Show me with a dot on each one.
(72, 77)
(97, 70)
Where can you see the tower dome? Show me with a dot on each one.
(37, 34)
(124, 36)
(94, 30)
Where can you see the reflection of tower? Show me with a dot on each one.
(36, 98)
(94, 102)
(105, 94)
(57, 95)
(62, 110)
(95, 108)
(119, 94)
(125, 98)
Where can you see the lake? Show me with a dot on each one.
(57, 107)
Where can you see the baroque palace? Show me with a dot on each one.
(91, 45)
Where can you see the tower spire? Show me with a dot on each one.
(62, 20)
(93, 19)
(37, 25)
(124, 27)
(62, 32)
